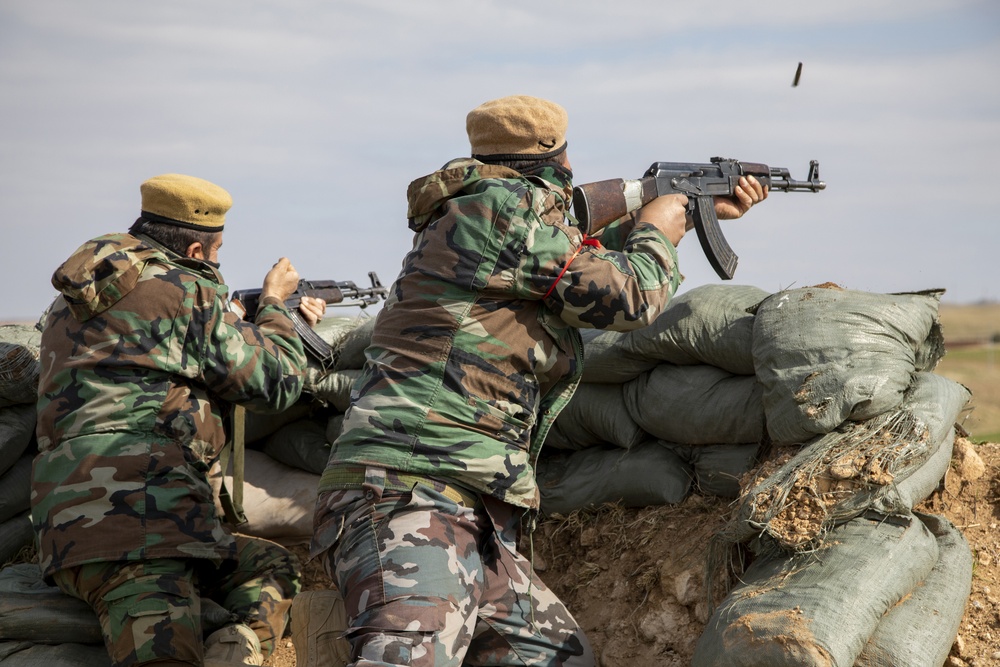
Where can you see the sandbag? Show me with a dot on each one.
(825, 356)
(17, 427)
(606, 361)
(279, 500)
(351, 354)
(919, 631)
(708, 325)
(33, 611)
(301, 445)
(259, 426)
(16, 533)
(19, 345)
(717, 468)
(860, 466)
(15, 487)
(28, 654)
(696, 405)
(596, 415)
(647, 474)
(920, 482)
(819, 609)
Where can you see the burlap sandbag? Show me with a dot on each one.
(919, 631)
(825, 356)
(819, 609)
(19, 344)
(647, 474)
(696, 405)
(706, 325)
(279, 500)
(596, 415)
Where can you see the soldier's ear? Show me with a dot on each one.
(195, 251)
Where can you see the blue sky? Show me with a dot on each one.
(316, 116)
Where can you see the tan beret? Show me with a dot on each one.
(517, 126)
(185, 201)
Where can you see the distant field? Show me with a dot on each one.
(972, 339)
(976, 322)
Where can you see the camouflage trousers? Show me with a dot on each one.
(431, 582)
(152, 611)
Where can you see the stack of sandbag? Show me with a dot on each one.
(661, 411)
(40, 626)
(881, 591)
(724, 369)
(19, 345)
(831, 392)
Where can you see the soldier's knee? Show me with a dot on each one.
(152, 619)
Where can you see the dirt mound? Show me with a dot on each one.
(634, 578)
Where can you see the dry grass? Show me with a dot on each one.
(976, 322)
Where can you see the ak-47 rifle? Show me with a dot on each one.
(334, 293)
(598, 204)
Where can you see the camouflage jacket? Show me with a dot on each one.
(477, 348)
(139, 356)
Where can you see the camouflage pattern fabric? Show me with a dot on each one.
(428, 582)
(151, 610)
(138, 356)
(477, 348)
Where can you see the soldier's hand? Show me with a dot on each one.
(746, 194)
(668, 214)
(280, 281)
(312, 309)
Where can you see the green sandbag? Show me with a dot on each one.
(301, 445)
(16, 533)
(819, 609)
(647, 474)
(17, 428)
(31, 610)
(826, 356)
(596, 415)
(717, 468)
(708, 325)
(919, 631)
(28, 654)
(15, 487)
(696, 405)
(606, 361)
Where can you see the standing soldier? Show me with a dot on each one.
(139, 361)
(473, 356)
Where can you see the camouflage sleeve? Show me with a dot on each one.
(258, 365)
(601, 288)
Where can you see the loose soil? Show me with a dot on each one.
(634, 577)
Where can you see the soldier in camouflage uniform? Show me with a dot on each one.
(474, 354)
(139, 358)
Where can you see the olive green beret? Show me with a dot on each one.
(517, 127)
(185, 201)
